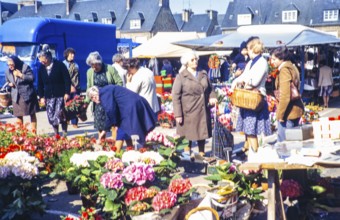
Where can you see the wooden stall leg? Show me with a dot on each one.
(271, 195)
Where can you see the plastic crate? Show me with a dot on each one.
(325, 129)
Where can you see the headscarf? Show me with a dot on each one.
(17, 62)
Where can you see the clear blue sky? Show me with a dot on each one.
(177, 6)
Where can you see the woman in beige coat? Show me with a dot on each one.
(193, 96)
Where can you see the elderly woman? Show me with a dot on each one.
(288, 111)
(100, 75)
(141, 80)
(192, 94)
(24, 98)
(252, 122)
(54, 86)
(124, 109)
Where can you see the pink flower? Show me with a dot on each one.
(112, 180)
(180, 186)
(135, 194)
(164, 200)
(114, 164)
(291, 188)
(139, 173)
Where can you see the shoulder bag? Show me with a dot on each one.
(294, 92)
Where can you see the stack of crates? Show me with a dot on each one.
(159, 85)
(326, 129)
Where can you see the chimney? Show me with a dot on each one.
(212, 14)
(186, 15)
(128, 4)
(163, 3)
(69, 5)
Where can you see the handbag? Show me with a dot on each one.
(247, 99)
(294, 93)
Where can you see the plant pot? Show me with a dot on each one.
(72, 190)
(89, 200)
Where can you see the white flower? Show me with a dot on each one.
(81, 159)
(152, 155)
(131, 156)
(20, 164)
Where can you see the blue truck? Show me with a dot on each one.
(24, 38)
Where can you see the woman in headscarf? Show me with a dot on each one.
(24, 98)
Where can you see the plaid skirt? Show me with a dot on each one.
(254, 123)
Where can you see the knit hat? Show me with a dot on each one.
(243, 45)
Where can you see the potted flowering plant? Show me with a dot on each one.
(87, 167)
(85, 214)
(76, 106)
(166, 120)
(20, 186)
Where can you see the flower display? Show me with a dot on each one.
(81, 159)
(139, 173)
(112, 180)
(166, 102)
(140, 207)
(85, 214)
(164, 200)
(20, 164)
(76, 104)
(140, 193)
(291, 188)
(180, 186)
(158, 137)
(135, 194)
(148, 157)
(226, 121)
(114, 165)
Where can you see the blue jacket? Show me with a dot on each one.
(127, 110)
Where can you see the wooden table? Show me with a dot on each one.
(275, 201)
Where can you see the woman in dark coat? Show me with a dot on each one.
(124, 109)
(54, 84)
(192, 94)
(24, 98)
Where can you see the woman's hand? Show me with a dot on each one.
(11, 85)
(179, 120)
(66, 97)
(18, 74)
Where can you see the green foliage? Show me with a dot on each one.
(20, 197)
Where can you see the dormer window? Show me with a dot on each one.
(58, 16)
(135, 24)
(94, 16)
(289, 16)
(244, 19)
(330, 15)
(77, 16)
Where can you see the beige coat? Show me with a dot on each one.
(286, 108)
(190, 97)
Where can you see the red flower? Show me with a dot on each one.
(129, 148)
(180, 186)
(57, 136)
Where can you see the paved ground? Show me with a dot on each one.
(60, 202)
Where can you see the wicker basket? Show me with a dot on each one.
(214, 212)
(5, 98)
(248, 99)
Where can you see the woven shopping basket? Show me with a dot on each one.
(214, 212)
(247, 99)
(5, 96)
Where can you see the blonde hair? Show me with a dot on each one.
(92, 91)
(256, 46)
